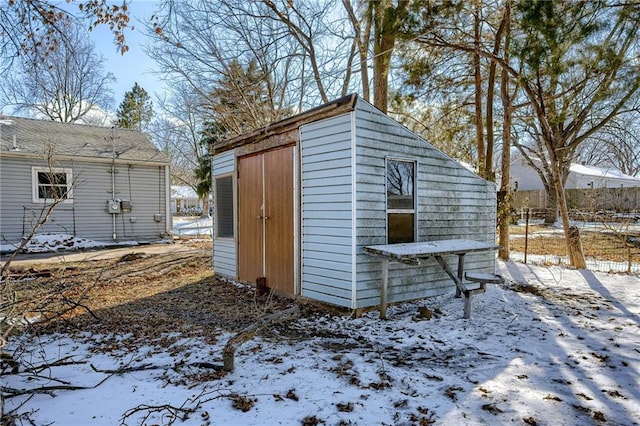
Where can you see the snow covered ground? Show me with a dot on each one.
(183, 226)
(192, 226)
(552, 347)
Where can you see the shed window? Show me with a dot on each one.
(401, 201)
(51, 184)
(224, 206)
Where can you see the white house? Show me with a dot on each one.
(185, 200)
(109, 184)
(580, 177)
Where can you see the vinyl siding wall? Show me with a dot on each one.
(86, 217)
(326, 202)
(452, 203)
(224, 249)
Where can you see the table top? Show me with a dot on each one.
(406, 252)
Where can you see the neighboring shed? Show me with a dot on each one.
(112, 184)
(296, 202)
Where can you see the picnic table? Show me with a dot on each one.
(416, 253)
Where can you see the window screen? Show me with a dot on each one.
(224, 207)
(400, 201)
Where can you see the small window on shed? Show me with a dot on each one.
(224, 206)
(401, 201)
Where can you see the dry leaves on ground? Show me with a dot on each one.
(146, 298)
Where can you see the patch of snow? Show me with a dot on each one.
(552, 346)
(192, 226)
(45, 243)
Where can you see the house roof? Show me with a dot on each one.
(599, 172)
(338, 106)
(32, 138)
(183, 191)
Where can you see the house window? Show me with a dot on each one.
(401, 201)
(52, 184)
(224, 206)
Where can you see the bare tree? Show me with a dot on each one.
(616, 146)
(29, 25)
(197, 45)
(362, 37)
(64, 84)
(303, 53)
(177, 132)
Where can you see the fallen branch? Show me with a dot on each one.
(11, 392)
(172, 412)
(65, 360)
(229, 350)
(122, 370)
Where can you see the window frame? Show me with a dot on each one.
(217, 207)
(414, 209)
(35, 184)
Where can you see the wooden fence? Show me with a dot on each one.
(617, 200)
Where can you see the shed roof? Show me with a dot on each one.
(32, 138)
(336, 107)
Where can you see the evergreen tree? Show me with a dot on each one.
(242, 99)
(212, 133)
(136, 110)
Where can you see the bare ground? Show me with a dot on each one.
(141, 296)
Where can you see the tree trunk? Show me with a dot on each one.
(571, 233)
(574, 246)
(504, 207)
(478, 92)
(205, 209)
(386, 20)
(551, 211)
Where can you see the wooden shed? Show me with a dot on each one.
(295, 202)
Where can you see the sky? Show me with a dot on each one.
(554, 346)
(134, 66)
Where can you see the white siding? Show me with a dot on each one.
(225, 258)
(326, 201)
(87, 216)
(452, 203)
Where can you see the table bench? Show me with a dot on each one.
(415, 253)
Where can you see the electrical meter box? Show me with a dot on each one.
(125, 205)
(113, 206)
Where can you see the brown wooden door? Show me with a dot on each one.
(266, 209)
(278, 195)
(250, 227)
